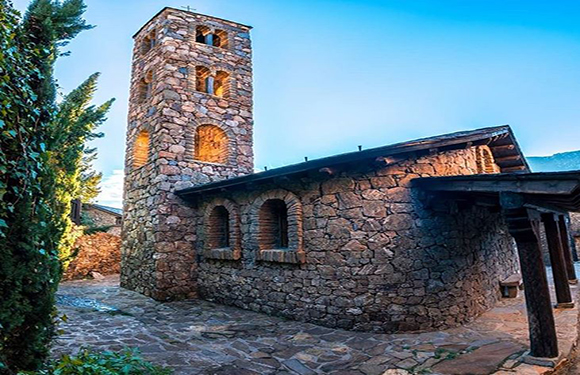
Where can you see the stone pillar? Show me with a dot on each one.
(565, 239)
(563, 295)
(524, 226)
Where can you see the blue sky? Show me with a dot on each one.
(330, 75)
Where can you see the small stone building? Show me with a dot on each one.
(104, 216)
(346, 241)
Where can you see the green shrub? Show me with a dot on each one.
(127, 362)
(42, 143)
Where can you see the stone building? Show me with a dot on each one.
(350, 241)
(104, 216)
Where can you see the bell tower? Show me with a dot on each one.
(190, 122)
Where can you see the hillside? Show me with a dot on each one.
(566, 161)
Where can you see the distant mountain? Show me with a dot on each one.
(565, 161)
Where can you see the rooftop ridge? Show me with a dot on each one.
(190, 12)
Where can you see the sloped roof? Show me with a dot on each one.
(107, 209)
(500, 139)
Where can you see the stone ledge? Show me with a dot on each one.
(281, 256)
(226, 253)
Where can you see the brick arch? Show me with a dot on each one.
(294, 253)
(484, 161)
(233, 252)
(232, 144)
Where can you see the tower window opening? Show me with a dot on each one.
(204, 82)
(273, 223)
(146, 87)
(141, 149)
(217, 38)
(201, 32)
(222, 84)
(211, 144)
(148, 42)
(219, 228)
(220, 39)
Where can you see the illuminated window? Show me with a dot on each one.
(219, 228)
(148, 42)
(484, 161)
(273, 222)
(204, 82)
(220, 39)
(201, 33)
(146, 87)
(221, 84)
(217, 38)
(211, 144)
(141, 149)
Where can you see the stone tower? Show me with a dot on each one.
(190, 122)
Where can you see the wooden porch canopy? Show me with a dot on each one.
(527, 201)
(551, 191)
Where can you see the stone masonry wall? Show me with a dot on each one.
(575, 228)
(158, 256)
(99, 252)
(377, 257)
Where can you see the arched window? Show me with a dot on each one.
(146, 87)
(222, 84)
(141, 149)
(218, 235)
(220, 39)
(148, 42)
(211, 144)
(203, 80)
(217, 38)
(273, 223)
(221, 230)
(485, 162)
(201, 32)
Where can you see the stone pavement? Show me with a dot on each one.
(200, 337)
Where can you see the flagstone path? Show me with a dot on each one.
(200, 337)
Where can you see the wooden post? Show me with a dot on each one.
(524, 225)
(565, 239)
(563, 295)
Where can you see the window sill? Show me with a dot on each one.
(213, 96)
(210, 163)
(225, 253)
(222, 49)
(281, 256)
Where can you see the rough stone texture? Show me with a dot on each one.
(376, 257)
(158, 253)
(99, 252)
(575, 228)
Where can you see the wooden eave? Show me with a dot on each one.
(557, 191)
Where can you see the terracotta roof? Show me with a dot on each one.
(500, 139)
